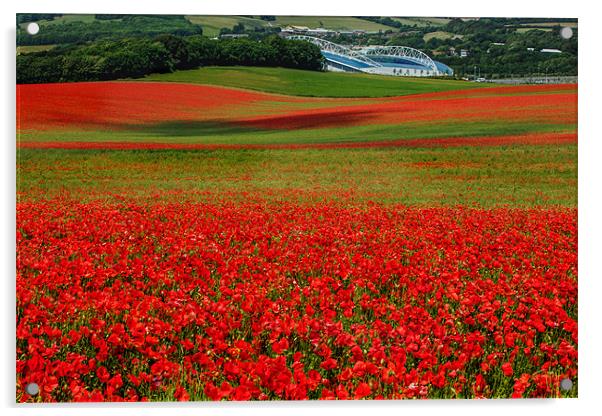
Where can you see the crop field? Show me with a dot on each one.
(309, 83)
(422, 21)
(212, 24)
(527, 29)
(552, 24)
(330, 22)
(441, 35)
(86, 18)
(34, 48)
(183, 237)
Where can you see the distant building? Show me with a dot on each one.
(551, 51)
(463, 53)
(320, 32)
(531, 49)
(377, 59)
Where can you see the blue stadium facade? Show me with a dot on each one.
(384, 60)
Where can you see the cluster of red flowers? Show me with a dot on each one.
(126, 301)
(106, 104)
(560, 107)
(121, 105)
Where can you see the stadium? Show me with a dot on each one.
(382, 60)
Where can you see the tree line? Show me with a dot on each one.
(105, 27)
(137, 57)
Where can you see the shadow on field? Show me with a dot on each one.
(320, 119)
(299, 121)
(192, 128)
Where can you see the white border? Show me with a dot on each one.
(590, 96)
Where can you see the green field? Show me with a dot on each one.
(34, 48)
(311, 83)
(214, 132)
(440, 35)
(330, 22)
(527, 29)
(552, 24)
(514, 175)
(422, 21)
(212, 24)
(67, 18)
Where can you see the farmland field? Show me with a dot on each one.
(86, 18)
(422, 21)
(552, 24)
(527, 29)
(246, 234)
(330, 22)
(34, 48)
(308, 83)
(440, 35)
(212, 24)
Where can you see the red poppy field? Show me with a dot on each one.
(119, 105)
(185, 242)
(171, 113)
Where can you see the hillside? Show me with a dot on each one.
(311, 83)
